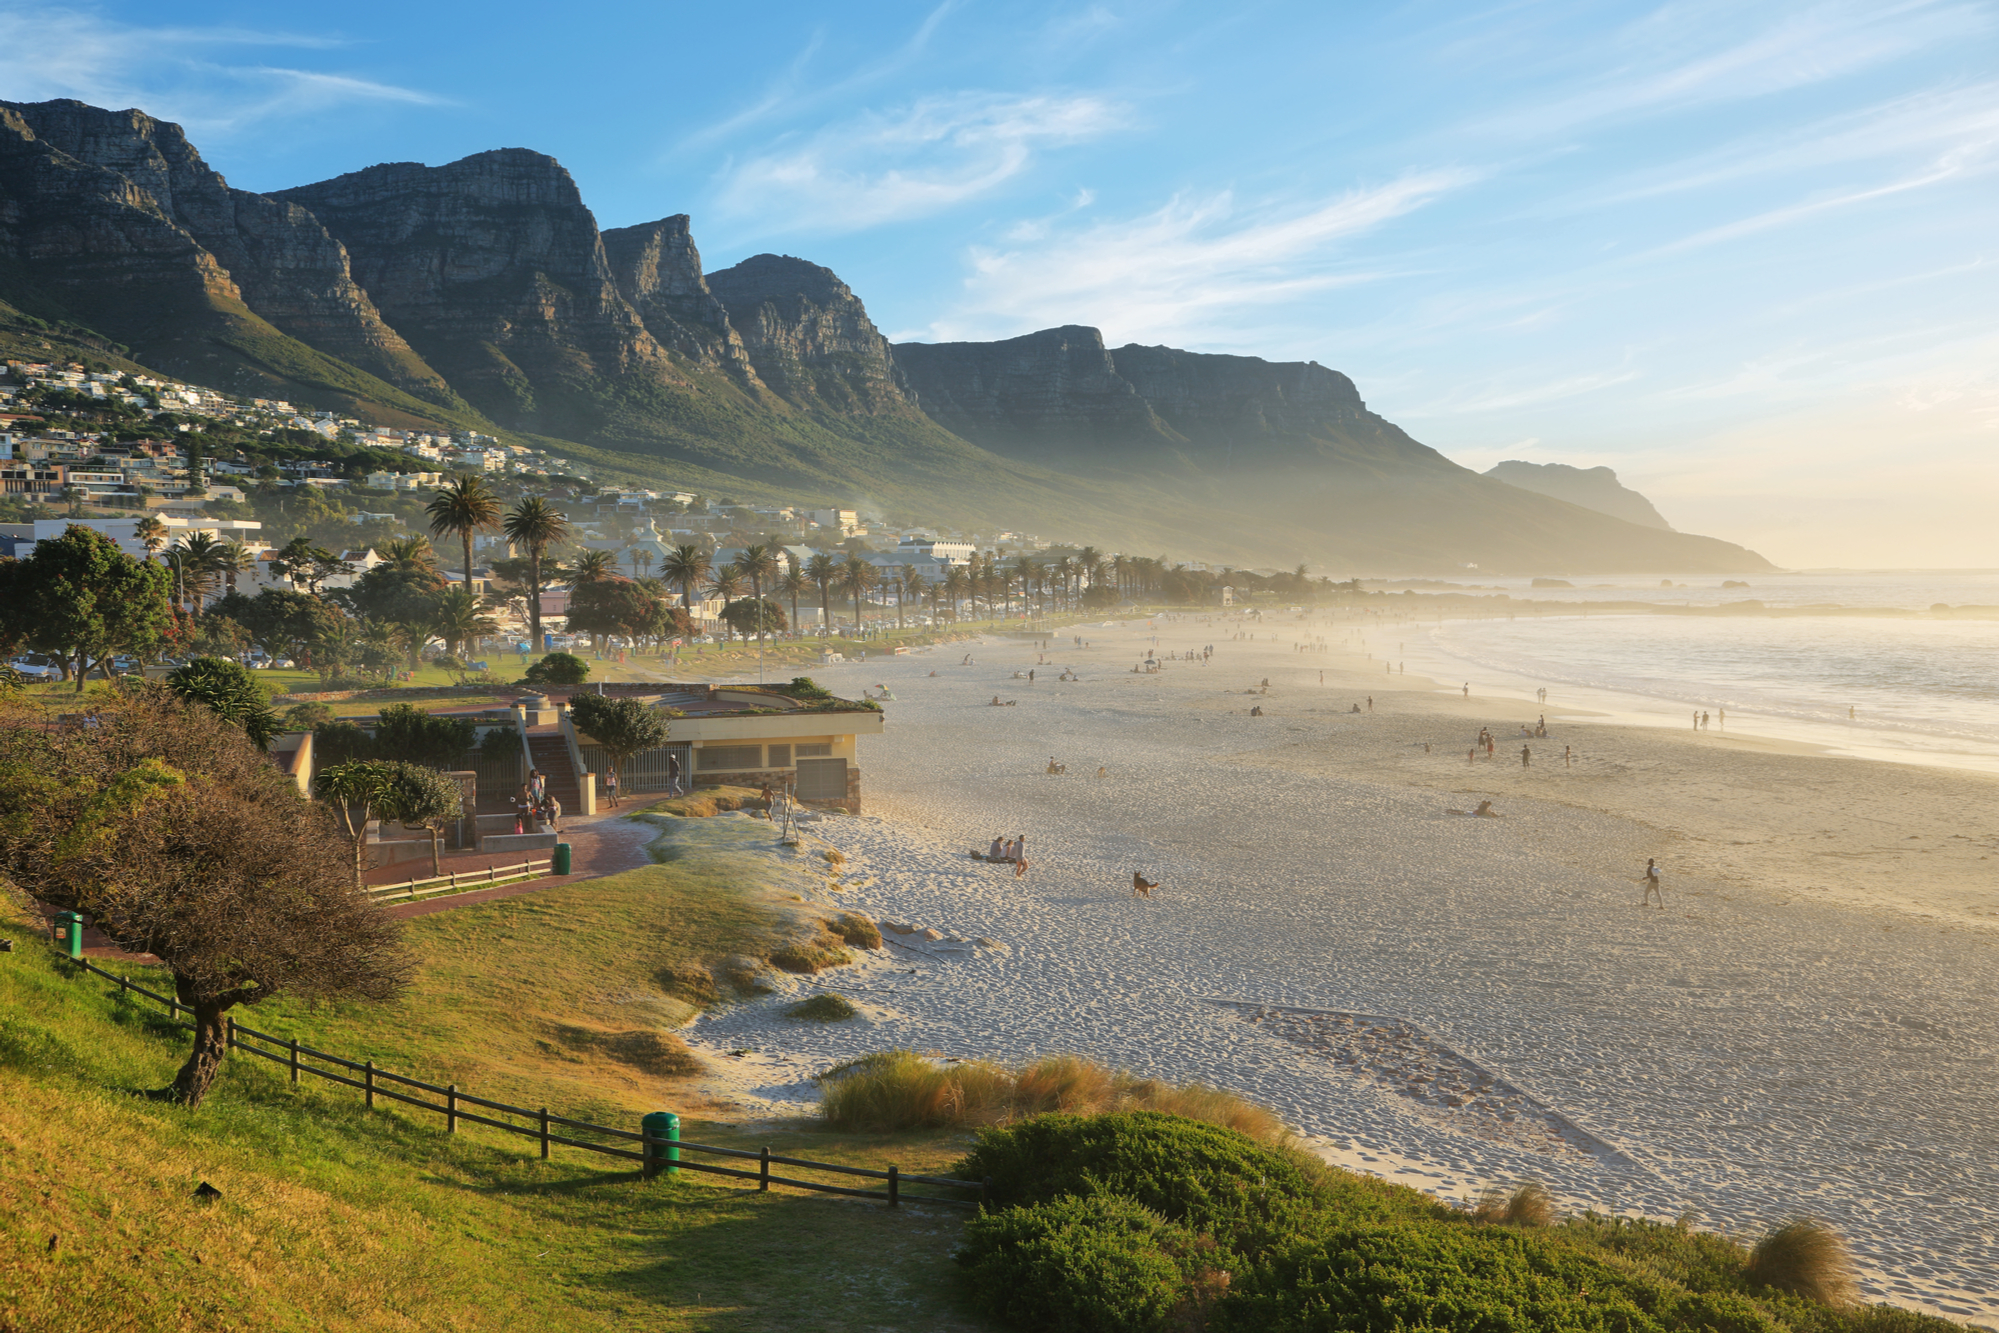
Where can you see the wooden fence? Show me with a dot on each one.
(653, 1153)
(462, 881)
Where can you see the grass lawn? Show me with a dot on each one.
(336, 1217)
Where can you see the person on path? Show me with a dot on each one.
(1467, 691)
(1371, 703)
(1565, 756)
(1697, 720)
(611, 787)
(1652, 882)
(552, 814)
(1020, 856)
(673, 773)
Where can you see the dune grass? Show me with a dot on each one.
(1806, 1258)
(896, 1090)
(825, 1007)
(1528, 1204)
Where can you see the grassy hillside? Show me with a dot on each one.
(334, 1217)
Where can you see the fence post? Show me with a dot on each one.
(451, 1109)
(228, 1033)
(295, 1059)
(893, 1191)
(764, 1169)
(545, 1133)
(368, 1083)
(124, 984)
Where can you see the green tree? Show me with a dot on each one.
(857, 576)
(197, 558)
(463, 506)
(419, 797)
(352, 786)
(403, 593)
(687, 566)
(80, 598)
(793, 583)
(759, 564)
(623, 727)
(461, 622)
(176, 837)
(741, 615)
(616, 606)
(537, 525)
(822, 570)
(414, 736)
(228, 690)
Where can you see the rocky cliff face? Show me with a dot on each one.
(282, 262)
(84, 242)
(809, 336)
(1592, 487)
(658, 272)
(492, 268)
(1047, 390)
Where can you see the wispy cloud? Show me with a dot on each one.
(177, 72)
(911, 163)
(1186, 271)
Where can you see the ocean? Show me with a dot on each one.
(1921, 690)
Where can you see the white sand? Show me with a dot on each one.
(1452, 1002)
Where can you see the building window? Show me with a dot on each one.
(818, 750)
(717, 758)
(781, 757)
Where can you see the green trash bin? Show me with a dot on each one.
(661, 1125)
(69, 933)
(559, 861)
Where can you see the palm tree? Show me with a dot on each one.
(198, 557)
(1065, 569)
(821, 569)
(537, 525)
(642, 562)
(857, 576)
(956, 581)
(592, 567)
(464, 505)
(758, 562)
(232, 559)
(725, 584)
(409, 553)
(461, 622)
(793, 584)
(687, 566)
(152, 534)
(913, 586)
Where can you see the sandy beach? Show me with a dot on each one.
(1808, 1026)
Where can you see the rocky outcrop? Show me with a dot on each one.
(282, 263)
(492, 268)
(809, 336)
(658, 272)
(1591, 487)
(1043, 391)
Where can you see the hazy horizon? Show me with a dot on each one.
(1744, 257)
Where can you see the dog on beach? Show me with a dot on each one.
(1141, 888)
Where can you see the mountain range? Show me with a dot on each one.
(482, 294)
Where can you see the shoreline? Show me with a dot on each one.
(1310, 865)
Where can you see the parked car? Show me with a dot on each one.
(36, 666)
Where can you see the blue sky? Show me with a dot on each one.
(1742, 252)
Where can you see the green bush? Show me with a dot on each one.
(1080, 1265)
(805, 687)
(558, 669)
(825, 1007)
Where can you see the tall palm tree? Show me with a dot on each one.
(232, 559)
(537, 525)
(198, 558)
(913, 587)
(725, 584)
(592, 567)
(822, 569)
(1088, 562)
(758, 563)
(687, 566)
(793, 583)
(857, 576)
(464, 505)
(956, 581)
(151, 533)
(642, 562)
(1065, 569)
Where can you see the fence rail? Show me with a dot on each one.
(654, 1153)
(461, 881)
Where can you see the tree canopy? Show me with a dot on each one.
(80, 598)
(228, 690)
(172, 833)
(623, 727)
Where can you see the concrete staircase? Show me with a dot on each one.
(548, 752)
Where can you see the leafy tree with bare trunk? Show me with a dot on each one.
(623, 727)
(175, 836)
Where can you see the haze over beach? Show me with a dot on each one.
(1215, 667)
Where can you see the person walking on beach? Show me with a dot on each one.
(1020, 856)
(1524, 756)
(1467, 691)
(1652, 882)
(1565, 756)
(1697, 721)
(1704, 720)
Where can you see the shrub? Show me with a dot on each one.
(834, 856)
(857, 930)
(558, 669)
(1805, 1258)
(661, 1054)
(304, 717)
(743, 975)
(1529, 1204)
(1210, 1179)
(1092, 1265)
(825, 1007)
(1063, 1083)
(805, 687)
(229, 691)
(688, 981)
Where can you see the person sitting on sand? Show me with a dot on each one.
(997, 851)
(996, 701)
(1142, 887)
(1484, 810)
(1355, 709)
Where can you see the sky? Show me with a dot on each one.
(1741, 252)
